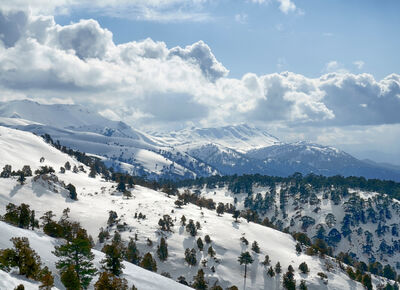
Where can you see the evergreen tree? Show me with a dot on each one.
(47, 279)
(278, 268)
(121, 186)
(207, 239)
(20, 287)
(271, 272)
(211, 252)
(162, 250)
(72, 191)
(200, 244)
(67, 165)
(255, 247)
(77, 253)
(179, 203)
(220, 208)
(245, 259)
(132, 254)
(191, 228)
(149, 263)
(236, 214)
(114, 257)
(190, 256)
(21, 178)
(198, 281)
(70, 278)
(303, 285)
(266, 260)
(288, 280)
(298, 248)
(108, 281)
(366, 281)
(303, 267)
(183, 220)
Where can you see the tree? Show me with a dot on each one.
(114, 257)
(112, 218)
(121, 186)
(245, 259)
(77, 253)
(266, 260)
(288, 280)
(191, 228)
(190, 256)
(236, 214)
(198, 281)
(255, 247)
(162, 250)
(70, 279)
(6, 173)
(211, 252)
(366, 281)
(220, 208)
(20, 287)
(278, 268)
(21, 178)
(183, 220)
(47, 279)
(149, 263)
(298, 248)
(108, 281)
(303, 267)
(200, 244)
(178, 203)
(271, 272)
(132, 254)
(72, 192)
(207, 239)
(67, 165)
(303, 285)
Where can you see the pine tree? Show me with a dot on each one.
(211, 252)
(236, 214)
(162, 250)
(200, 244)
(278, 268)
(255, 247)
(271, 272)
(72, 192)
(132, 254)
(183, 220)
(77, 253)
(207, 239)
(289, 282)
(303, 285)
(198, 281)
(366, 281)
(190, 256)
(26, 259)
(108, 281)
(70, 278)
(46, 278)
(220, 208)
(20, 287)
(114, 257)
(191, 228)
(245, 259)
(266, 260)
(303, 267)
(21, 178)
(149, 263)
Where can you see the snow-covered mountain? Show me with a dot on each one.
(188, 153)
(96, 197)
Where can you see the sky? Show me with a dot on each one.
(325, 71)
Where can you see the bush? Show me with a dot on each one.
(303, 267)
(109, 281)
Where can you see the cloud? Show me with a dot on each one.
(146, 83)
(334, 66)
(359, 64)
(287, 6)
(241, 18)
(200, 53)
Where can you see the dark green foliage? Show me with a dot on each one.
(245, 259)
(389, 273)
(21, 179)
(220, 208)
(244, 241)
(303, 267)
(207, 239)
(350, 273)
(20, 216)
(132, 254)
(211, 252)
(77, 253)
(200, 244)
(271, 272)
(20, 287)
(236, 214)
(22, 257)
(70, 278)
(190, 256)
(108, 281)
(44, 170)
(46, 278)
(198, 281)
(288, 280)
(278, 268)
(255, 247)
(72, 192)
(166, 223)
(103, 235)
(298, 248)
(302, 238)
(121, 186)
(149, 263)
(183, 220)
(366, 281)
(7, 170)
(114, 257)
(303, 285)
(191, 228)
(162, 250)
(112, 218)
(266, 260)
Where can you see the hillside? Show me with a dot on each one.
(96, 197)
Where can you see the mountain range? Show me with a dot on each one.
(187, 153)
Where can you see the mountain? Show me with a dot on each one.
(188, 153)
(139, 216)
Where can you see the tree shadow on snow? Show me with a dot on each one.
(15, 190)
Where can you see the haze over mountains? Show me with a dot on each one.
(188, 153)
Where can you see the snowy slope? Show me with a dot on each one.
(44, 246)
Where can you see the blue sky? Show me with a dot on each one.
(260, 38)
(325, 71)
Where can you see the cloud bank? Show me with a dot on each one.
(145, 82)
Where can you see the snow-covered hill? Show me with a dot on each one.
(188, 153)
(96, 197)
